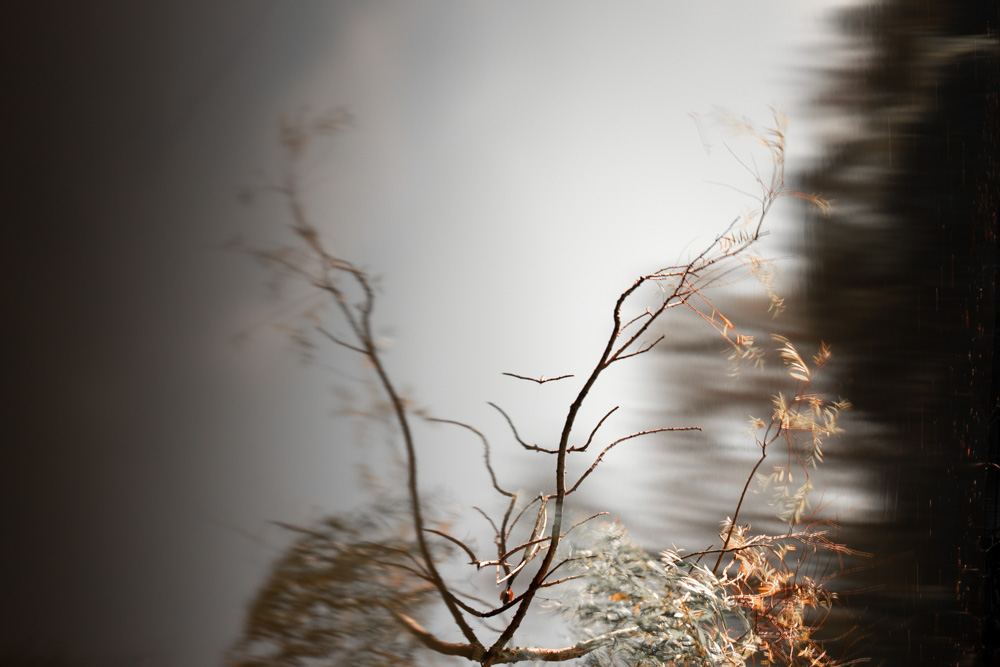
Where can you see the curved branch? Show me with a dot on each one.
(359, 319)
(502, 560)
(540, 380)
(517, 437)
(522, 511)
(594, 432)
(647, 313)
(466, 651)
(509, 655)
(739, 504)
(583, 521)
(642, 350)
(454, 540)
(556, 582)
(486, 451)
(487, 517)
(600, 457)
(342, 343)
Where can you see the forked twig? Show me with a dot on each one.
(604, 451)
(590, 438)
(540, 380)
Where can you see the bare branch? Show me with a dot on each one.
(583, 521)
(600, 456)
(639, 351)
(487, 517)
(503, 558)
(353, 292)
(676, 294)
(556, 582)
(522, 511)
(509, 655)
(746, 485)
(486, 452)
(594, 432)
(635, 319)
(540, 522)
(460, 543)
(340, 342)
(517, 437)
(573, 559)
(513, 573)
(358, 318)
(540, 380)
(470, 609)
(467, 651)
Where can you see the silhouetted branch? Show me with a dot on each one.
(517, 437)
(583, 521)
(594, 432)
(559, 654)
(486, 452)
(643, 350)
(556, 582)
(522, 511)
(467, 651)
(600, 456)
(487, 517)
(342, 343)
(454, 540)
(540, 380)
(518, 548)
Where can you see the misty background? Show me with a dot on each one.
(509, 171)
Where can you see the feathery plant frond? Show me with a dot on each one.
(804, 421)
(784, 600)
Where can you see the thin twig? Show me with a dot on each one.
(454, 540)
(517, 437)
(486, 451)
(487, 517)
(540, 380)
(594, 432)
(342, 343)
(600, 456)
(639, 351)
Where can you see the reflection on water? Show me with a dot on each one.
(901, 281)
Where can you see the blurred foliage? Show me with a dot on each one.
(329, 597)
(667, 610)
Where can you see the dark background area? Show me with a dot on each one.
(904, 279)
